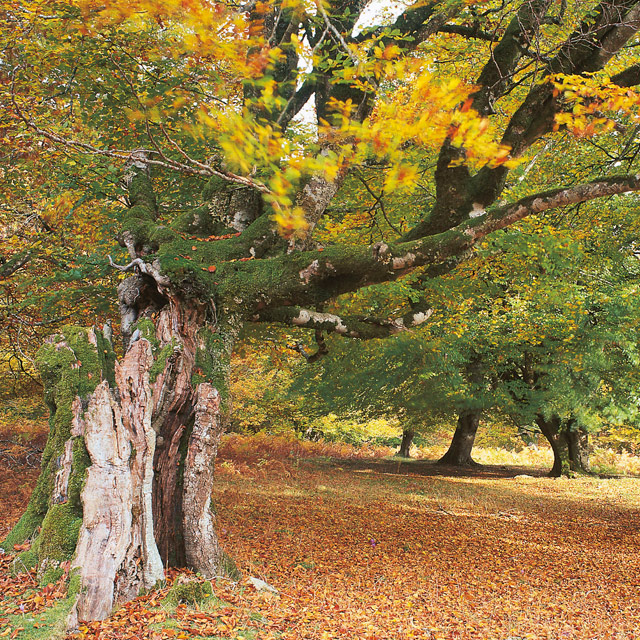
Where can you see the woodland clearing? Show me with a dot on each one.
(365, 547)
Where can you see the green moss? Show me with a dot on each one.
(213, 359)
(161, 357)
(67, 372)
(75, 584)
(192, 592)
(147, 331)
(198, 221)
(214, 186)
(140, 212)
(70, 366)
(107, 358)
(188, 269)
(163, 235)
(59, 534)
(229, 568)
(81, 462)
(32, 518)
(161, 354)
(140, 229)
(24, 561)
(141, 193)
(51, 576)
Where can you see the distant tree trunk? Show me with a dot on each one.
(568, 443)
(459, 453)
(578, 443)
(550, 429)
(405, 445)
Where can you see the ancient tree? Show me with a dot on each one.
(211, 92)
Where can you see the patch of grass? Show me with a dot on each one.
(48, 624)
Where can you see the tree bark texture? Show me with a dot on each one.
(459, 453)
(128, 469)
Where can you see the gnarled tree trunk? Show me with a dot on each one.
(459, 453)
(128, 467)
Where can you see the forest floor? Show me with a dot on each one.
(366, 548)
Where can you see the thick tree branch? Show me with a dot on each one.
(453, 178)
(348, 326)
(417, 24)
(296, 102)
(630, 77)
(504, 216)
(313, 277)
(602, 34)
(588, 49)
(15, 263)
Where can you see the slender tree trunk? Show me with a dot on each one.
(459, 453)
(550, 429)
(405, 445)
(128, 467)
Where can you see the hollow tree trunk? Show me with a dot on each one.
(127, 471)
(405, 444)
(459, 453)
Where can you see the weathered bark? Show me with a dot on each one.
(130, 455)
(116, 554)
(405, 445)
(199, 521)
(459, 453)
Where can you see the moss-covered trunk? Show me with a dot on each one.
(459, 453)
(128, 468)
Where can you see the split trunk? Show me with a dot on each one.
(127, 471)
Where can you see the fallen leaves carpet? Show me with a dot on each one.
(389, 551)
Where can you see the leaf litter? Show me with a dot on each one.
(384, 555)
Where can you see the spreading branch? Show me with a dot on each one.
(313, 277)
(149, 269)
(347, 326)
